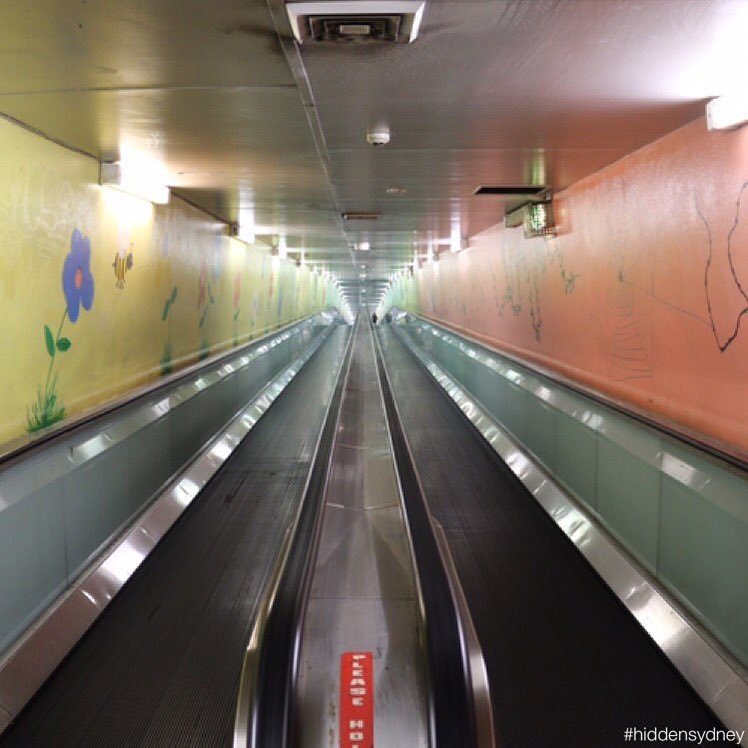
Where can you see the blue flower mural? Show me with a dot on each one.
(77, 281)
(78, 289)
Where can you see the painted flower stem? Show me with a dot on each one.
(54, 354)
(78, 289)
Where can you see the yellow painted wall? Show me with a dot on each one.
(50, 203)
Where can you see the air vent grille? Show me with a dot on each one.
(360, 29)
(528, 190)
(361, 216)
(356, 21)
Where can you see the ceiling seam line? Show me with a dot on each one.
(40, 133)
(145, 89)
(79, 151)
(298, 71)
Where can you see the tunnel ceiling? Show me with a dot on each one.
(492, 92)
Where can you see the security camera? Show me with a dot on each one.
(378, 136)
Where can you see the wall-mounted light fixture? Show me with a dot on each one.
(725, 112)
(133, 179)
(457, 243)
(242, 233)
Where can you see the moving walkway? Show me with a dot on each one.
(363, 531)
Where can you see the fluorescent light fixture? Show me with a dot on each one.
(242, 233)
(245, 226)
(728, 111)
(133, 178)
(456, 239)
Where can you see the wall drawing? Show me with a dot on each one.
(236, 299)
(190, 279)
(205, 301)
(78, 289)
(123, 262)
(723, 273)
(643, 294)
(167, 363)
(523, 274)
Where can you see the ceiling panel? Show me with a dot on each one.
(510, 91)
(205, 88)
(493, 91)
(68, 45)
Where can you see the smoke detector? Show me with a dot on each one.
(356, 21)
(378, 136)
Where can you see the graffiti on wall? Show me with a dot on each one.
(523, 274)
(643, 298)
(726, 296)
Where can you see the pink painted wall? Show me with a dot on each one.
(643, 295)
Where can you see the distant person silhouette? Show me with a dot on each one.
(374, 318)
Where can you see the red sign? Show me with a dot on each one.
(356, 700)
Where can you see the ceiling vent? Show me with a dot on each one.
(357, 21)
(361, 216)
(524, 190)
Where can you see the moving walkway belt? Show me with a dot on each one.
(161, 667)
(567, 663)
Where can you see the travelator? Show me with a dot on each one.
(225, 556)
(353, 567)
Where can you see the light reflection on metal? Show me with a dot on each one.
(122, 562)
